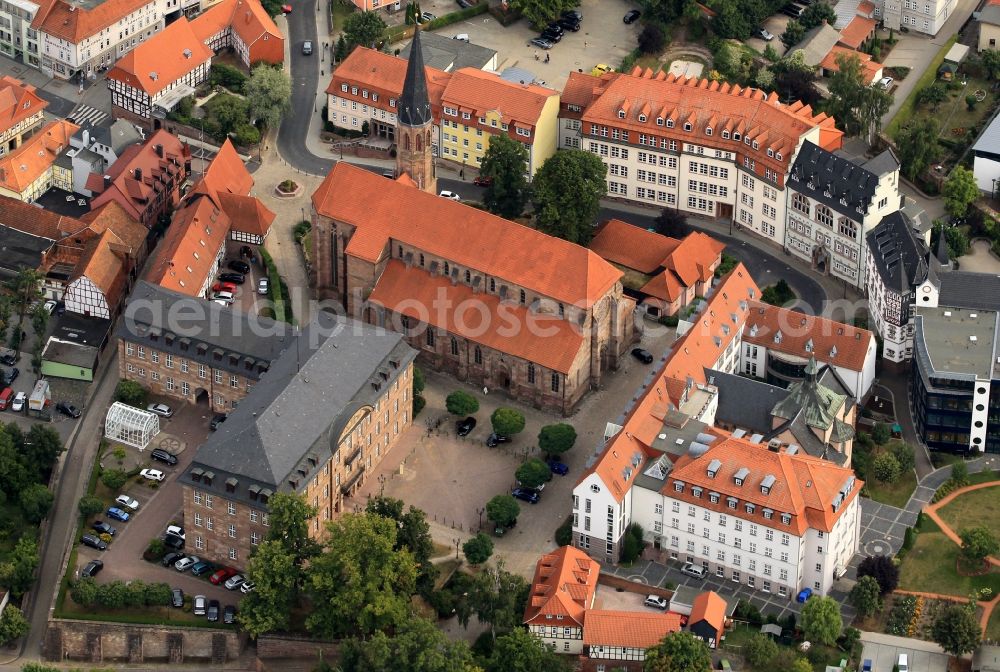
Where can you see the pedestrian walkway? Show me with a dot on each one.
(82, 114)
(932, 511)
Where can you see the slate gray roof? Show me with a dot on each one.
(962, 289)
(448, 54)
(302, 404)
(988, 144)
(886, 162)
(990, 14)
(20, 250)
(808, 441)
(155, 311)
(817, 43)
(414, 103)
(833, 178)
(744, 402)
(897, 252)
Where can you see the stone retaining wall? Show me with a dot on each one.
(99, 642)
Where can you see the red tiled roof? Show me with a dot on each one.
(250, 22)
(227, 172)
(414, 292)
(564, 585)
(21, 167)
(481, 92)
(709, 607)
(163, 59)
(129, 233)
(695, 258)
(869, 68)
(632, 246)
(382, 74)
(188, 250)
(829, 342)
(246, 214)
(34, 221)
(628, 629)
(103, 267)
(73, 22)
(382, 209)
(664, 286)
(857, 31)
(18, 101)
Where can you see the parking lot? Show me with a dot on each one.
(603, 38)
(246, 297)
(884, 653)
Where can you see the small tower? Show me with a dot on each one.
(415, 124)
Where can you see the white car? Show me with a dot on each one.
(176, 530)
(160, 409)
(50, 306)
(18, 404)
(235, 581)
(262, 286)
(186, 563)
(127, 502)
(224, 296)
(450, 194)
(656, 602)
(247, 587)
(764, 34)
(152, 474)
(885, 83)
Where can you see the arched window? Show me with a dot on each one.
(824, 215)
(493, 285)
(406, 142)
(800, 203)
(454, 346)
(531, 374)
(848, 228)
(478, 355)
(419, 142)
(468, 275)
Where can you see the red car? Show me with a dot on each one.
(483, 181)
(221, 575)
(224, 287)
(286, 9)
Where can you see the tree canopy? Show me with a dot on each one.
(679, 652)
(532, 473)
(504, 163)
(478, 549)
(540, 12)
(521, 651)
(816, 14)
(269, 94)
(883, 570)
(794, 32)
(866, 596)
(556, 439)
(856, 105)
(978, 543)
(917, 144)
(821, 621)
(365, 28)
(507, 421)
(502, 510)
(417, 646)
(956, 629)
(959, 191)
(566, 194)
(461, 402)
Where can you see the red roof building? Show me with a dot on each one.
(21, 112)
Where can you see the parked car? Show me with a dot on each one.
(541, 43)
(262, 286)
(49, 306)
(569, 23)
(450, 195)
(224, 287)
(552, 36)
(171, 558)
(229, 614)
(164, 456)
(575, 14)
(764, 34)
(92, 569)
(176, 530)
(426, 17)
(526, 494)
(200, 603)
(101, 527)
(307, 48)
(152, 474)
(903, 663)
(213, 611)
(656, 602)
(203, 567)
(557, 467)
(8, 360)
(161, 410)
(494, 440)
(553, 27)
(885, 83)
(643, 356)
(174, 542)
(177, 598)
(117, 514)
(464, 4)
(127, 502)
(691, 569)
(11, 375)
(235, 278)
(93, 542)
(222, 575)
(804, 595)
(235, 581)
(632, 16)
(226, 297)
(19, 401)
(239, 266)
(866, 666)
(247, 587)
(68, 410)
(482, 181)
(465, 427)
(461, 37)
(186, 563)
(217, 420)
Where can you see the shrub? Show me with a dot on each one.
(418, 404)
(131, 393)
(227, 76)
(246, 134)
(460, 402)
(885, 468)
(564, 533)
(114, 479)
(652, 39)
(478, 549)
(632, 543)
(90, 506)
(960, 473)
(760, 649)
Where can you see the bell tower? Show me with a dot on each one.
(415, 124)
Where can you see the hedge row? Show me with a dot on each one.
(397, 33)
(278, 290)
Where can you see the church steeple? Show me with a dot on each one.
(415, 124)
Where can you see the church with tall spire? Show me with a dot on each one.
(415, 124)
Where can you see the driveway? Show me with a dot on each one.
(884, 650)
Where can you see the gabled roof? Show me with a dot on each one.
(35, 221)
(21, 167)
(103, 267)
(18, 101)
(163, 59)
(246, 214)
(628, 629)
(857, 31)
(112, 217)
(836, 182)
(831, 342)
(964, 289)
(382, 209)
(73, 22)
(709, 607)
(817, 43)
(188, 251)
(692, 260)
(481, 92)
(250, 22)
(227, 172)
(900, 260)
(564, 585)
(632, 246)
(869, 68)
(382, 74)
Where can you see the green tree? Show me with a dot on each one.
(417, 646)
(567, 193)
(84, 592)
(158, 594)
(532, 473)
(932, 94)
(520, 651)
(679, 652)
(990, 59)
(540, 12)
(18, 572)
(478, 549)
(39, 319)
(903, 453)
(760, 649)
(460, 402)
(272, 7)
(413, 533)
(632, 543)
(960, 473)
(131, 393)
(90, 506)
(496, 597)
(502, 510)
(816, 14)
(956, 239)
(229, 112)
(959, 191)
(846, 87)
(794, 32)
(978, 543)
(885, 468)
(114, 479)
(883, 570)
(419, 383)
(269, 94)
(364, 28)
(917, 144)
(273, 570)
(866, 596)
(873, 104)
(881, 433)
(956, 629)
(507, 421)
(672, 223)
(341, 51)
(13, 625)
(360, 583)
(799, 664)
(504, 163)
(36, 502)
(26, 288)
(652, 39)
(556, 439)
(821, 620)
(289, 515)
(112, 595)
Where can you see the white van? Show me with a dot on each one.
(691, 569)
(903, 664)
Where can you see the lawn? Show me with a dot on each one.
(894, 494)
(339, 12)
(819, 656)
(140, 615)
(979, 507)
(993, 627)
(930, 566)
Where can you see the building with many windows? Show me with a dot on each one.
(27, 172)
(920, 16)
(303, 431)
(18, 38)
(21, 111)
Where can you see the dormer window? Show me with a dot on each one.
(768, 514)
(750, 508)
(696, 492)
(746, 140)
(778, 156)
(708, 130)
(713, 497)
(678, 486)
(725, 134)
(786, 519)
(621, 114)
(659, 121)
(736, 136)
(755, 145)
(770, 152)
(687, 126)
(642, 118)
(670, 123)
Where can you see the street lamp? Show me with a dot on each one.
(480, 512)
(457, 541)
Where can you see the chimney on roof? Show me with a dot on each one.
(86, 139)
(159, 150)
(137, 174)
(107, 181)
(187, 53)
